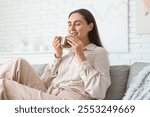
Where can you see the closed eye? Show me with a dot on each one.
(75, 23)
(69, 23)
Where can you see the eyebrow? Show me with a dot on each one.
(76, 21)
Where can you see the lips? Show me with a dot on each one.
(73, 34)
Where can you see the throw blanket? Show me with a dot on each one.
(139, 88)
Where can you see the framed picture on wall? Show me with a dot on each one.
(143, 16)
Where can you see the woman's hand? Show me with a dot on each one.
(78, 46)
(57, 46)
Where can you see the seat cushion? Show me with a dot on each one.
(119, 76)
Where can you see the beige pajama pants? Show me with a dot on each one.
(18, 80)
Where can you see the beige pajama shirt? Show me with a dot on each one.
(64, 79)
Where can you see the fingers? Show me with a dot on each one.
(73, 41)
(57, 41)
(70, 42)
(57, 46)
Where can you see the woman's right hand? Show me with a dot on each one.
(57, 46)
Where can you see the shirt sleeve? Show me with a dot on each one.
(50, 72)
(95, 74)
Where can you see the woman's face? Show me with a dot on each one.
(77, 26)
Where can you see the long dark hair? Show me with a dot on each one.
(93, 34)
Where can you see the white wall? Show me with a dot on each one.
(139, 45)
(19, 20)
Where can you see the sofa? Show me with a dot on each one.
(121, 75)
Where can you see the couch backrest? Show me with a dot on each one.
(39, 68)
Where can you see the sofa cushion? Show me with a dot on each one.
(39, 68)
(119, 76)
(135, 69)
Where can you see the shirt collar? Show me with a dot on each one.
(91, 46)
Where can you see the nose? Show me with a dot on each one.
(72, 28)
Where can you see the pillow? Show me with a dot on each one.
(135, 69)
(119, 76)
(39, 68)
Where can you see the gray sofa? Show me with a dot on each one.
(121, 76)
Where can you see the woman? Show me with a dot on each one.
(83, 73)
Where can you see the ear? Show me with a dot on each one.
(91, 26)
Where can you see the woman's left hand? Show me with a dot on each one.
(78, 46)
